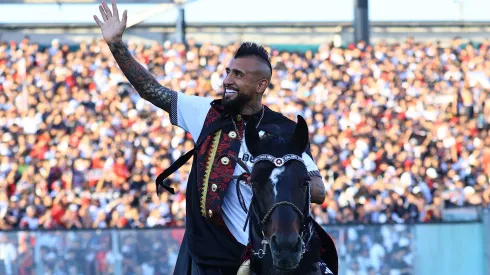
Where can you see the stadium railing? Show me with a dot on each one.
(435, 248)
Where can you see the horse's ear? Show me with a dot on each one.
(252, 138)
(300, 138)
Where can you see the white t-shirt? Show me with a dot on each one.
(191, 114)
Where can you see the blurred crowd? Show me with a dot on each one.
(399, 131)
(370, 250)
(362, 250)
(69, 252)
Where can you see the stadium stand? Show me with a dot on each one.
(400, 131)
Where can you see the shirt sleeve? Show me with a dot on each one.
(189, 113)
(310, 164)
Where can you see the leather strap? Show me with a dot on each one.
(206, 131)
(170, 170)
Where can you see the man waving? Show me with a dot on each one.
(214, 240)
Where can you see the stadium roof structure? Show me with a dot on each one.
(251, 11)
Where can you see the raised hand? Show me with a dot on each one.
(112, 28)
(142, 80)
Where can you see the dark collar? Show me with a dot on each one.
(272, 122)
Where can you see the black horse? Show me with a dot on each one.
(283, 236)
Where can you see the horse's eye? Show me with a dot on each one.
(306, 181)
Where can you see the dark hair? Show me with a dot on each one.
(252, 49)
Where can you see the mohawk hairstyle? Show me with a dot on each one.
(252, 49)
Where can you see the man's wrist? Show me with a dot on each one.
(115, 41)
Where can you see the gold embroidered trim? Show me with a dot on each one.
(210, 161)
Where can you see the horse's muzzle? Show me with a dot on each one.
(286, 250)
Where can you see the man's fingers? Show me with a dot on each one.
(102, 13)
(114, 9)
(107, 10)
(98, 21)
(125, 18)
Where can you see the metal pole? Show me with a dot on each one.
(115, 234)
(361, 21)
(39, 265)
(180, 25)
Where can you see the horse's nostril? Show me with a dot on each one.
(274, 241)
(282, 243)
(298, 244)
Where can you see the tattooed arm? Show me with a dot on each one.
(142, 80)
(144, 83)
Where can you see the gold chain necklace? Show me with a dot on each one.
(257, 126)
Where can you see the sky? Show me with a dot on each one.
(220, 11)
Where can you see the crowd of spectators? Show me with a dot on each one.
(399, 131)
(69, 252)
(362, 250)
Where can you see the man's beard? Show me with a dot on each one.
(234, 106)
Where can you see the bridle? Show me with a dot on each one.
(305, 218)
(306, 226)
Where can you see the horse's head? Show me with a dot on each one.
(281, 193)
